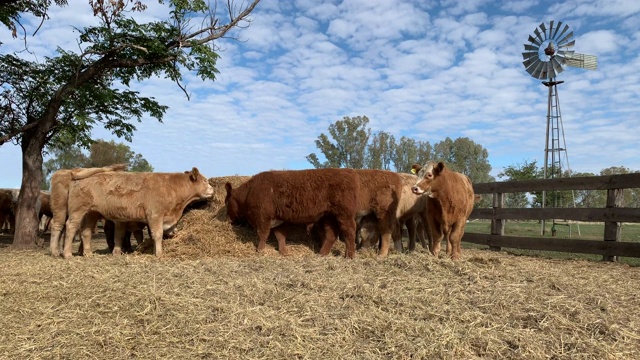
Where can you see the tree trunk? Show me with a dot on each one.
(26, 234)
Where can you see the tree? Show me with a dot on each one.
(102, 153)
(631, 197)
(465, 156)
(66, 95)
(408, 152)
(10, 11)
(62, 158)
(589, 198)
(347, 146)
(379, 152)
(521, 171)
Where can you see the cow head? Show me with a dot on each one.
(426, 175)
(201, 183)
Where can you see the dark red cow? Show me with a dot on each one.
(271, 198)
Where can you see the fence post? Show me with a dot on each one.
(612, 228)
(497, 225)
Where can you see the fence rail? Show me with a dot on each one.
(613, 215)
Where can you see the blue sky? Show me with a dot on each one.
(423, 69)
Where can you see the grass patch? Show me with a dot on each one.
(577, 230)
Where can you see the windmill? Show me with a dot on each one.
(546, 55)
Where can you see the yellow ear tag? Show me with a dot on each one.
(413, 171)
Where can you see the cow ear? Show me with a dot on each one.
(227, 187)
(415, 168)
(194, 174)
(438, 168)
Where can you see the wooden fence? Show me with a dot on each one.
(613, 215)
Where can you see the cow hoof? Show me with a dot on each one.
(67, 255)
(116, 252)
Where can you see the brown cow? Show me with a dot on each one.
(156, 199)
(379, 197)
(8, 199)
(60, 182)
(296, 196)
(450, 202)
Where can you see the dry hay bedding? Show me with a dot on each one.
(226, 301)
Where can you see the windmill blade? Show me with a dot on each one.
(534, 40)
(544, 73)
(558, 26)
(566, 27)
(551, 29)
(529, 55)
(544, 30)
(565, 53)
(537, 32)
(537, 72)
(570, 44)
(528, 47)
(557, 66)
(531, 64)
(564, 39)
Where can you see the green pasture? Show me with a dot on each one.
(574, 230)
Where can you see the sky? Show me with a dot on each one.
(423, 69)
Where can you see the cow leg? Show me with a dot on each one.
(155, 226)
(436, 238)
(45, 226)
(281, 235)
(455, 238)
(12, 223)
(87, 226)
(386, 231)
(109, 228)
(71, 227)
(118, 237)
(330, 229)
(57, 224)
(348, 230)
(126, 242)
(422, 229)
(396, 237)
(411, 230)
(139, 236)
(263, 231)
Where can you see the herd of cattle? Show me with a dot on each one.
(338, 202)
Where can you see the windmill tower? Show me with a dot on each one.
(545, 56)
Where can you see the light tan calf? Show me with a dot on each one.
(60, 182)
(157, 199)
(412, 213)
(450, 202)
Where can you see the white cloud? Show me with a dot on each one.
(423, 69)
